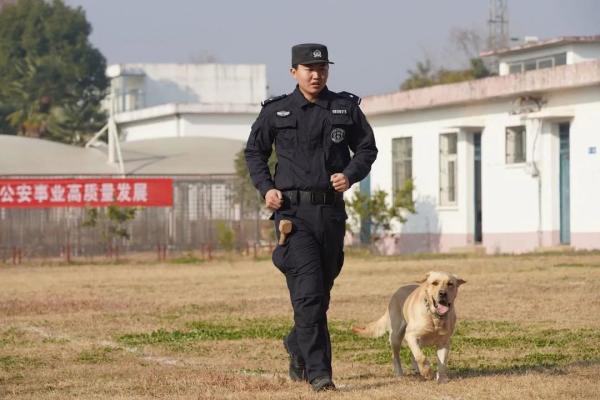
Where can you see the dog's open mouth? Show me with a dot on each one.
(442, 307)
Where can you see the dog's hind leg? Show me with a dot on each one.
(396, 337)
(395, 343)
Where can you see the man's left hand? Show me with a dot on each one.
(340, 182)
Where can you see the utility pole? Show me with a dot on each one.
(498, 37)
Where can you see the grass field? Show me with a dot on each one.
(528, 329)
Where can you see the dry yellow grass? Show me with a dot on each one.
(86, 331)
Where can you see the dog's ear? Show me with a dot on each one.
(425, 279)
(459, 281)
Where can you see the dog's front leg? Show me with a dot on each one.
(413, 363)
(422, 362)
(442, 356)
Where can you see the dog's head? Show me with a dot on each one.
(440, 291)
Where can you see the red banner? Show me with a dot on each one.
(48, 193)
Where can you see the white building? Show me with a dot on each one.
(509, 163)
(181, 100)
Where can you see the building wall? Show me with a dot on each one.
(158, 84)
(576, 53)
(531, 54)
(586, 52)
(150, 129)
(585, 171)
(225, 126)
(520, 210)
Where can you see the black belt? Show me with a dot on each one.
(313, 197)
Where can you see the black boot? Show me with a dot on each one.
(297, 366)
(322, 384)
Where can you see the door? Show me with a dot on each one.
(564, 189)
(477, 181)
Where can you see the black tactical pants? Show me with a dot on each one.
(311, 259)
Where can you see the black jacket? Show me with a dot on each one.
(312, 142)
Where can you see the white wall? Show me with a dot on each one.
(510, 200)
(197, 83)
(576, 53)
(225, 126)
(534, 54)
(586, 52)
(585, 167)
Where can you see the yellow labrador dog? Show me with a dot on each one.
(422, 315)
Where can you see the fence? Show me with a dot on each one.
(204, 218)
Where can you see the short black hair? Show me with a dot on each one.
(295, 66)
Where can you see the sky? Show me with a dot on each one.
(373, 43)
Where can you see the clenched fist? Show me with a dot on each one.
(340, 182)
(273, 199)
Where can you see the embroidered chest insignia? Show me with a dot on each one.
(338, 135)
(339, 112)
(283, 113)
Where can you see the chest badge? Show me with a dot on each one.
(338, 135)
(283, 113)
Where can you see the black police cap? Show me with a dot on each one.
(310, 53)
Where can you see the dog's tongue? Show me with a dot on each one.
(442, 309)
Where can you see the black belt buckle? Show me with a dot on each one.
(316, 197)
(322, 197)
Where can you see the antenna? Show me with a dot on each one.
(498, 37)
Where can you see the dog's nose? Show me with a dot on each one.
(443, 293)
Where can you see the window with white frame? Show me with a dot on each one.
(401, 162)
(448, 168)
(550, 61)
(515, 144)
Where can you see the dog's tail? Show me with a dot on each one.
(376, 328)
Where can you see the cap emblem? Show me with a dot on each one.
(317, 53)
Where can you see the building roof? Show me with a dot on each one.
(29, 156)
(542, 44)
(22, 156)
(181, 156)
(532, 82)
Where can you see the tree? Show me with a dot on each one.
(225, 236)
(425, 75)
(467, 41)
(113, 221)
(467, 45)
(375, 209)
(244, 192)
(52, 79)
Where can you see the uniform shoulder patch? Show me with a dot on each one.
(273, 99)
(350, 96)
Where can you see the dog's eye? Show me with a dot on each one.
(435, 283)
(450, 284)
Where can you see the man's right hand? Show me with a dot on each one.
(273, 199)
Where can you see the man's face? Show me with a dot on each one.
(311, 78)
